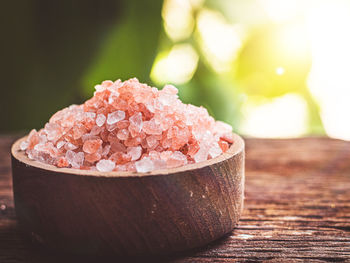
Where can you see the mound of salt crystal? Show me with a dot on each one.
(129, 126)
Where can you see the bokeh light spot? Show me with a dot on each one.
(282, 117)
(176, 66)
(280, 71)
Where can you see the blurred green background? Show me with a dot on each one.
(271, 68)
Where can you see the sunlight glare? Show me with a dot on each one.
(219, 40)
(178, 18)
(282, 117)
(177, 67)
(329, 80)
(280, 71)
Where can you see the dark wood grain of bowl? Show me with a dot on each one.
(165, 211)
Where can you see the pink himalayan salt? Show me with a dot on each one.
(100, 120)
(91, 146)
(129, 126)
(134, 152)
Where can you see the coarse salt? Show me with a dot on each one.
(129, 126)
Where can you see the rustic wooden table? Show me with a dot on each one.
(297, 208)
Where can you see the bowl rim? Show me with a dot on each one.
(236, 148)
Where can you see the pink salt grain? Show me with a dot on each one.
(100, 120)
(129, 126)
(91, 146)
(134, 152)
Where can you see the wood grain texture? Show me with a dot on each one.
(162, 212)
(297, 208)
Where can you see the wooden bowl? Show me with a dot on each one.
(165, 211)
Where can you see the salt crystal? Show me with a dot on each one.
(159, 164)
(136, 121)
(152, 127)
(134, 152)
(91, 146)
(96, 130)
(24, 145)
(100, 120)
(42, 138)
(105, 166)
(75, 159)
(118, 147)
(129, 126)
(79, 159)
(60, 144)
(201, 155)
(106, 150)
(152, 141)
(53, 131)
(123, 134)
(170, 89)
(99, 88)
(144, 165)
(92, 157)
(116, 116)
(215, 150)
(90, 115)
(176, 159)
(70, 146)
(228, 137)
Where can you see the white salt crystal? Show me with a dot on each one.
(166, 99)
(70, 146)
(116, 116)
(113, 97)
(96, 130)
(134, 152)
(106, 150)
(170, 89)
(30, 154)
(79, 159)
(105, 166)
(215, 150)
(70, 156)
(136, 120)
(39, 147)
(179, 156)
(24, 145)
(60, 144)
(99, 88)
(145, 165)
(201, 155)
(52, 130)
(159, 164)
(42, 138)
(90, 115)
(100, 120)
(176, 159)
(112, 127)
(75, 159)
(123, 134)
